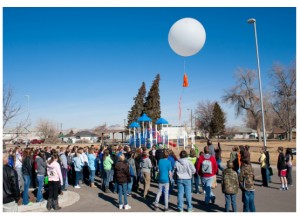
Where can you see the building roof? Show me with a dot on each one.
(277, 130)
(85, 134)
(243, 130)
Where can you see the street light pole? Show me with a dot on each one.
(191, 118)
(253, 21)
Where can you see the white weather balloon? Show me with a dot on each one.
(187, 36)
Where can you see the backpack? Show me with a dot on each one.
(230, 182)
(248, 178)
(206, 166)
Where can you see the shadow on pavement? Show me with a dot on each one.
(209, 208)
(109, 199)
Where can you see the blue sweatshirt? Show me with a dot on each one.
(92, 161)
(164, 167)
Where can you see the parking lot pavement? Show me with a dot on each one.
(68, 198)
(269, 199)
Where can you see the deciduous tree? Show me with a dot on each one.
(244, 97)
(284, 96)
(47, 130)
(204, 113)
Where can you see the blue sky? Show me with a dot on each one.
(82, 67)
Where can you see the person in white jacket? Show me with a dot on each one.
(54, 179)
(185, 170)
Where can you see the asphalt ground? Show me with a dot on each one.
(269, 199)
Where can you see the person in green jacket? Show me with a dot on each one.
(108, 172)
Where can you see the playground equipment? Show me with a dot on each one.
(145, 135)
(133, 140)
(162, 136)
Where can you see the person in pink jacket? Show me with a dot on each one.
(54, 179)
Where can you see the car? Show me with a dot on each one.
(36, 141)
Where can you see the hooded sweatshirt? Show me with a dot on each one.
(213, 163)
(184, 168)
(41, 166)
(54, 172)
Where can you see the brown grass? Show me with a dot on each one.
(255, 148)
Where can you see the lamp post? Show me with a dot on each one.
(27, 139)
(191, 118)
(253, 21)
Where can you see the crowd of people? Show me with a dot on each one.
(122, 170)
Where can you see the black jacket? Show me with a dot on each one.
(27, 167)
(11, 191)
(159, 154)
(281, 165)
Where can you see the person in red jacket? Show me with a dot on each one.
(207, 168)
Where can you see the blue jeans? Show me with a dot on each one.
(92, 176)
(197, 182)
(269, 178)
(184, 187)
(26, 189)
(122, 188)
(67, 183)
(115, 186)
(107, 177)
(219, 162)
(166, 191)
(78, 176)
(248, 200)
(129, 184)
(230, 198)
(40, 180)
(207, 183)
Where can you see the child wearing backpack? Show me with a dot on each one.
(207, 168)
(230, 185)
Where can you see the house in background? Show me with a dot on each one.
(81, 136)
(244, 133)
(279, 133)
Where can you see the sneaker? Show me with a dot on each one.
(77, 186)
(120, 206)
(191, 210)
(127, 207)
(180, 210)
(29, 204)
(281, 188)
(286, 188)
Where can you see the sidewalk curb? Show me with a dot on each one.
(69, 198)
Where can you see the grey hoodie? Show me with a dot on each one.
(184, 168)
(63, 160)
(41, 166)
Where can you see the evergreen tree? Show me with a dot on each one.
(217, 124)
(152, 104)
(138, 107)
